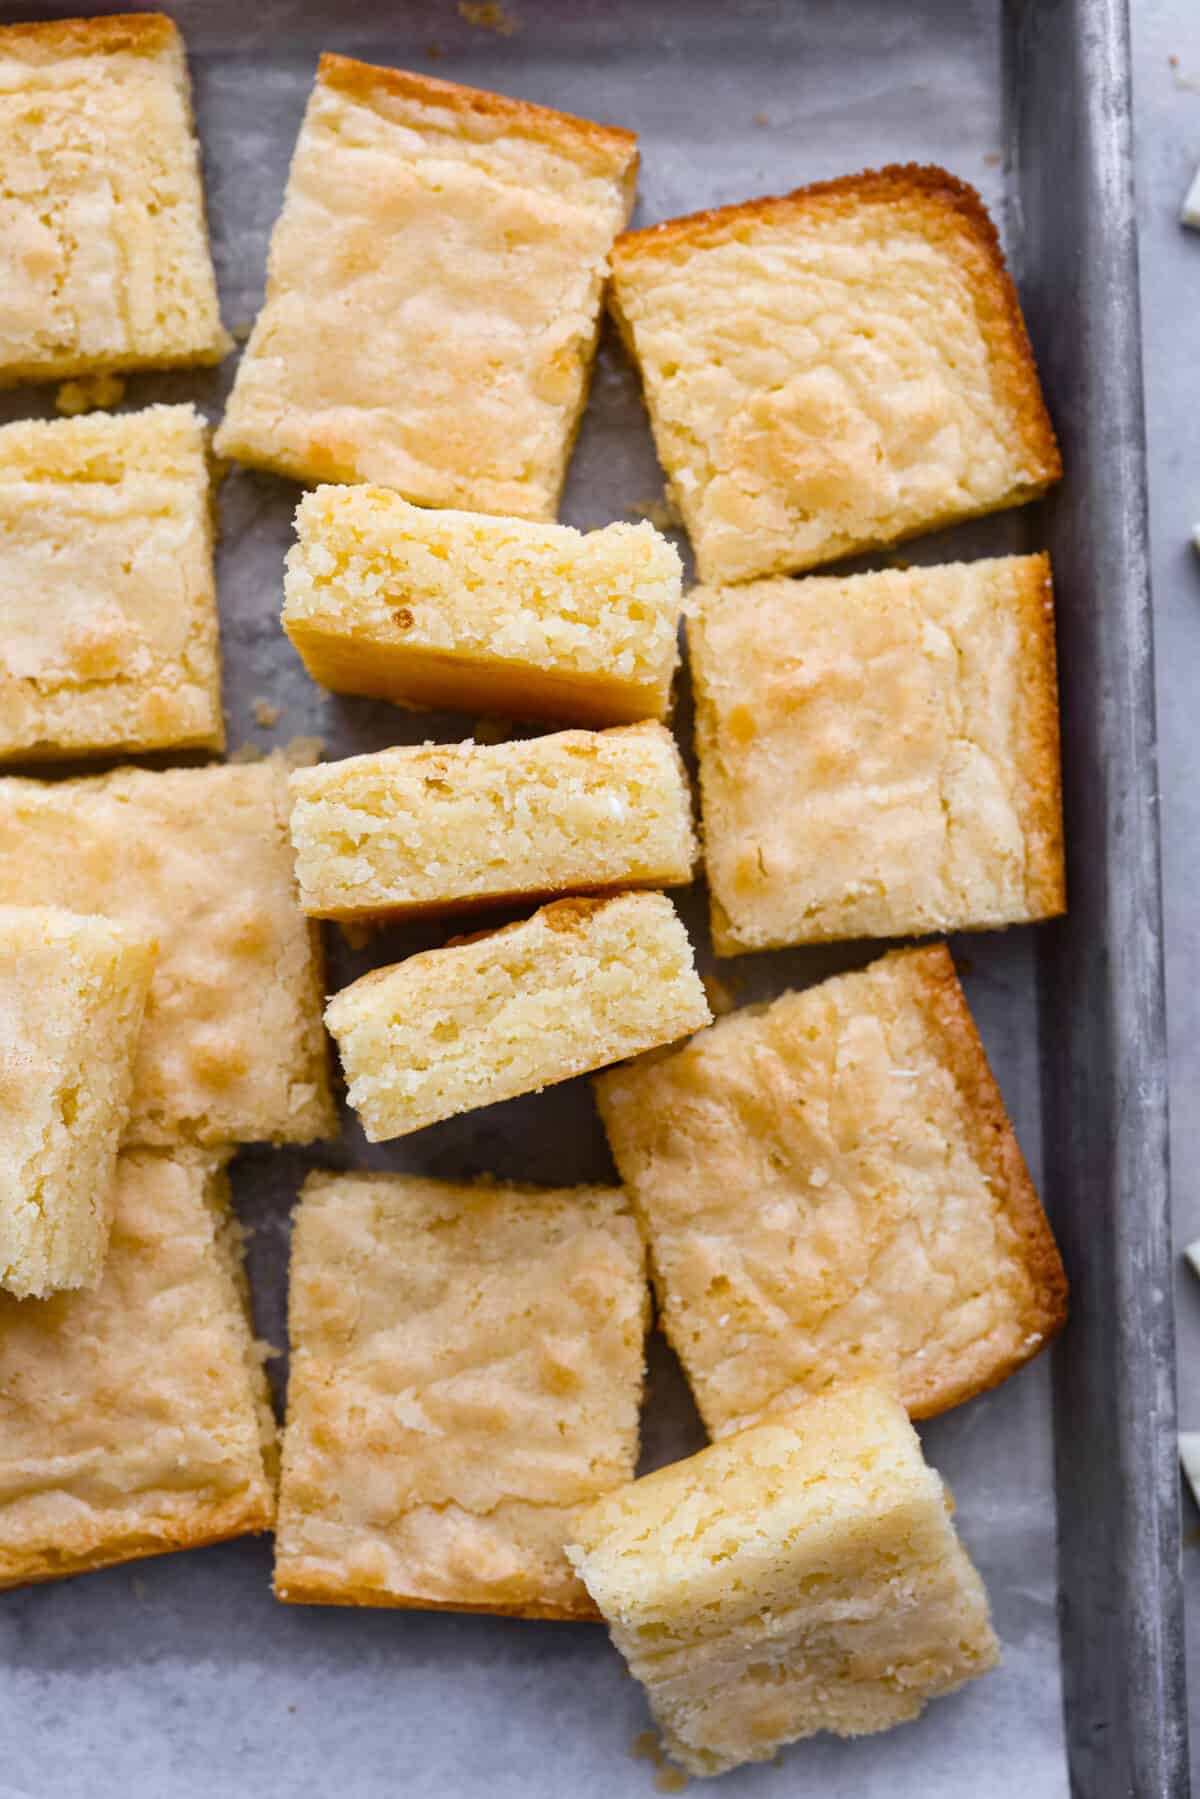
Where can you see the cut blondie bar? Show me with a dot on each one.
(798, 1577)
(232, 1048)
(104, 260)
(466, 1368)
(830, 1186)
(833, 370)
(493, 615)
(135, 1419)
(106, 586)
(878, 753)
(448, 827)
(72, 997)
(433, 292)
(581, 983)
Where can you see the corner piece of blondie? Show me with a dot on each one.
(104, 258)
(879, 753)
(833, 370)
(831, 1188)
(135, 1419)
(107, 591)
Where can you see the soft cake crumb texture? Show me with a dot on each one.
(467, 1367)
(232, 1048)
(581, 983)
(106, 586)
(450, 826)
(104, 260)
(879, 753)
(433, 292)
(135, 1419)
(833, 370)
(830, 1188)
(798, 1577)
(72, 997)
(498, 615)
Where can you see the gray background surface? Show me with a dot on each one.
(1167, 124)
(182, 1677)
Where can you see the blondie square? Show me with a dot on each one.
(135, 1419)
(72, 996)
(800, 1576)
(879, 753)
(449, 827)
(581, 983)
(466, 1369)
(485, 614)
(433, 292)
(104, 260)
(106, 586)
(232, 1049)
(833, 370)
(829, 1186)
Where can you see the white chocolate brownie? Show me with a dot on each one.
(801, 1576)
(104, 259)
(830, 1186)
(135, 1419)
(466, 1369)
(433, 292)
(581, 983)
(879, 753)
(449, 827)
(454, 609)
(833, 370)
(106, 586)
(72, 997)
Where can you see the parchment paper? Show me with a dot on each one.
(182, 1677)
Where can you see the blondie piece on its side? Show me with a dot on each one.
(104, 260)
(801, 1576)
(72, 997)
(833, 370)
(135, 1419)
(466, 1369)
(106, 586)
(581, 983)
(433, 292)
(879, 753)
(484, 614)
(232, 1049)
(830, 1186)
(449, 827)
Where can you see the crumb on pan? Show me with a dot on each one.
(488, 15)
(90, 393)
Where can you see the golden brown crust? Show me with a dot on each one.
(925, 1258)
(1045, 875)
(407, 912)
(957, 665)
(299, 1592)
(435, 1463)
(951, 204)
(937, 990)
(560, 915)
(364, 81)
(142, 33)
(245, 1514)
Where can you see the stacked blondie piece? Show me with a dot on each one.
(824, 1192)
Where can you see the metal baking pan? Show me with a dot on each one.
(182, 1677)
